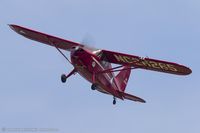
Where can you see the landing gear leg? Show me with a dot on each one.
(64, 77)
(94, 86)
(93, 77)
(114, 100)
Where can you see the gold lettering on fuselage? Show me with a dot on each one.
(145, 63)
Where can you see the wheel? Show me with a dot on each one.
(114, 102)
(93, 87)
(63, 78)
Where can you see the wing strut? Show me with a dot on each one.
(114, 69)
(59, 50)
(63, 54)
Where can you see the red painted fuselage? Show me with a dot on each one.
(89, 66)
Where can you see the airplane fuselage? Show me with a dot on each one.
(88, 65)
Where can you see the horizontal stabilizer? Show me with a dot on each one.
(133, 98)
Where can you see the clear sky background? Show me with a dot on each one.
(32, 95)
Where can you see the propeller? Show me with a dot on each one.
(88, 42)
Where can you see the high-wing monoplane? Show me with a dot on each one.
(95, 65)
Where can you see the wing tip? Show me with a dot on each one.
(186, 71)
(189, 71)
(13, 26)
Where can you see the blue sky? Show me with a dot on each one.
(32, 96)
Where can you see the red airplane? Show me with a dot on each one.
(95, 64)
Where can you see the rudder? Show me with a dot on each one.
(123, 77)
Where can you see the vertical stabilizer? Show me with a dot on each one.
(123, 77)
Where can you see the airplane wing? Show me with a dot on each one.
(44, 38)
(144, 63)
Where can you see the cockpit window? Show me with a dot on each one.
(105, 64)
(97, 53)
(80, 50)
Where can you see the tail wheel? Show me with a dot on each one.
(63, 78)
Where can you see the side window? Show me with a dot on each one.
(104, 63)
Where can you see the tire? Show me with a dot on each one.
(63, 78)
(93, 87)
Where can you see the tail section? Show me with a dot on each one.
(123, 77)
(133, 98)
